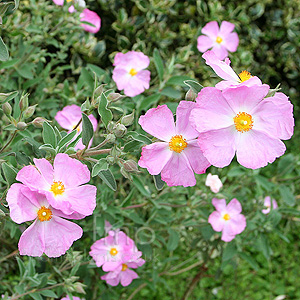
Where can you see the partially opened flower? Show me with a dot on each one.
(268, 204)
(49, 233)
(92, 18)
(227, 218)
(242, 121)
(129, 73)
(223, 69)
(214, 182)
(221, 40)
(63, 184)
(69, 117)
(177, 155)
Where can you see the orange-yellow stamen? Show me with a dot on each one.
(57, 188)
(69, 0)
(226, 217)
(219, 40)
(124, 267)
(177, 143)
(245, 75)
(133, 72)
(243, 122)
(44, 214)
(77, 128)
(113, 251)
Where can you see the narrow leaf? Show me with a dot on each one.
(158, 64)
(108, 178)
(87, 130)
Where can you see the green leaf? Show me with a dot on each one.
(173, 239)
(25, 71)
(87, 130)
(250, 260)
(229, 252)
(21, 266)
(49, 148)
(141, 186)
(197, 87)
(85, 78)
(48, 293)
(287, 195)
(158, 64)
(105, 114)
(4, 55)
(108, 178)
(132, 146)
(148, 101)
(65, 140)
(36, 296)
(263, 245)
(178, 80)
(49, 135)
(99, 166)
(9, 173)
(159, 184)
(8, 96)
(139, 137)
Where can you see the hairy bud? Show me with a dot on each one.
(128, 119)
(21, 126)
(114, 97)
(38, 122)
(110, 138)
(120, 130)
(190, 95)
(111, 126)
(131, 166)
(29, 112)
(7, 109)
(23, 102)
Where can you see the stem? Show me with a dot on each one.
(99, 146)
(9, 255)
(96, 152)
(9, 141)
(79, 122)
(135, 206)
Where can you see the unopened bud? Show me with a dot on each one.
(21, 126)
(38, 122)
(23, 102)
(110, 159)
(125, 173)
(120, 130)
(128, 119)
(114, 97)
(111, 126)
(99, 90)
(7, 109)
(29, 112)
(131, 166)
(190, 95)
(79, 287)
(110, 138)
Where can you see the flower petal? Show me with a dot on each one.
(220, 51)
(216, 221)
(90, 17)
(234, 207)
(204, 43)
(45, 168)
(127, 276)
(219, 204)
(69, 116)
(231, 42)
(237, 224)
(226, 28)
(211, 29)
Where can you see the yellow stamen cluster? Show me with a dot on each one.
(219, 40)
(77, 128)
(69, 0)
(124, 267)
(44, 214)
(243, 122)
(133, 72)
(245, 75)
(177, 143)
(113, 251)
(226, 217)
(57, 188)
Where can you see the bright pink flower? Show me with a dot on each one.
(177, 156)
(59, 2)
(69, 117)
(267, 204)
(110, 252)
(227, 219)
(223, 69)
(242, 121)
(49, 233)
(63, 184)
(129, 73)
(68, 298)
(90, 17)
(221, 40)
(214, 182)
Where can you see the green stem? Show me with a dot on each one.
(9, 141)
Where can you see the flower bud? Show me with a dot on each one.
(38, 122)
(110, 159)
(128, 119)
(7, 109)
(29, 111)
(99, 90)
(111, 126)
(114, 97)
(131, 166)
(190, 95)
(21, 126)
(79, 287)
(125, 173)
(120, 130)
(23, 104)
(110, 138)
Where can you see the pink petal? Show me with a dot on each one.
(72, 9)
(220, 51)
(132, 60)
(154, 157)
(45, 168)
(216, 221)
(237, 224)
(69, 116)
(111, 265)
(183, 125)
(234, 207)
(178, 171)
(256, 149)
(59, 2)
(59, 235)
(231, 42)
(137, 84)
(121, 77)
(90, 17)
(226, 234)
(226, 28)
(127, 277)
(211, 29)
(219, 204)
(159, 122)
(204, 43)
(112, 278)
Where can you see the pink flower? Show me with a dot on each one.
(223, 69)
(214, 182)
(177, 155)
(110, 252)
(267, 204)
(242, 121)
(227, 219)
(129, 73)
(49, 233)
(68, 298)
(62, 184)
(220, 40)
(59, 2)
(90, 17)
(69, 117)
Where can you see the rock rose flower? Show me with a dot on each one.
(214, 182)
(90, 17)
(267, 204)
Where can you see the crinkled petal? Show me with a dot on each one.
(204, 43)
(59, 2)
(219, 204)
(132, 60)
(237, 224)
(231, 42)
(159, 122)
(121, 77)
(127, 276)
(211, 29)
(216, 221)
(226, 28)
(90, 17)
(45, 168)
(220, 51)
(227, 235)
(234, 207)
(137, 84)
(69, 116)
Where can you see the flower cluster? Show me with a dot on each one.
(117, 254)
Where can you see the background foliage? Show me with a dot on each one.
(53, 60)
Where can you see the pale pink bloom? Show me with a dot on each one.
(68, 298)
(90, 17)
(110, 252)
(214, 182)
(223, 70)
(177, 155)
(69, 117)
(221, 40)
(129, 73)
(59, 2)
(227, 218)
(242, 121)
(49, 233)
(267, 204)
(63, 184)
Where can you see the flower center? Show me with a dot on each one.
(219, 40)
(57, 188)
(133, 72)
(226, 217)
(177, 143)
(245, 75)
(69, 0)
(243, 122)
(113, 251)
(44, 214)
(78, 128)
(124, 267)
